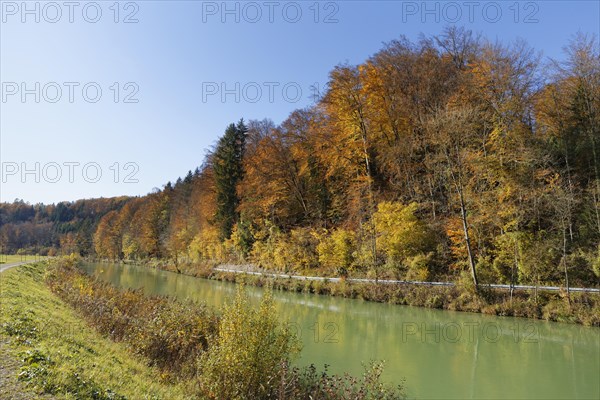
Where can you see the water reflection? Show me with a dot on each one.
(441, 354)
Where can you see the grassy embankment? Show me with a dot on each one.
(165, 348)
(60, 355)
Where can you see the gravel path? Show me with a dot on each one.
(4, 267)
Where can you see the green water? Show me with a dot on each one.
(439, 354)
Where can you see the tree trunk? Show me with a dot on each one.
(564, 259)
(431, 194)
(512, 272)
(369, 173)
(572, 196)
(597, 175)
(463, 214)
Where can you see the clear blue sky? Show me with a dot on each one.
(177, 55)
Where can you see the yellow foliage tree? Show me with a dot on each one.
(337, 249)
(400, 233)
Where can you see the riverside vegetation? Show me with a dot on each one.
(452, 158)
(580, 308)
(158, 347)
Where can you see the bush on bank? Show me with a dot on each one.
(48, 352)
(239, 353)
(172, 335)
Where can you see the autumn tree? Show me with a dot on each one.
(107, 239)
(452, 131)
(450, 150)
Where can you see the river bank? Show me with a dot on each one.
(189, 350)
(440, 354)
(50, 351)
(578, 307)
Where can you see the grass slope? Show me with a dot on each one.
(57, 354)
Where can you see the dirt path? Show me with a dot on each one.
(4, 267)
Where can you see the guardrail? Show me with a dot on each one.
(400, 282)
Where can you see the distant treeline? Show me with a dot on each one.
(44, 229)
(452, 157)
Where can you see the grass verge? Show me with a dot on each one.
(164, 348)
(13, 258)
(59, 355)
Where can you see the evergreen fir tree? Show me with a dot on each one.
(228, 172)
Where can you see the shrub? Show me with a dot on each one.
(170, 334)
(307, 383)
(296, 251)
(558, 310)
(207, 246)
(402, 234)
(418, 267)
(243, 355)
(246, 357)
(536, 253)
(337, 249)
(596, 264)
(581, 268)
(242, 238)
(489, 271)
(265, 239)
